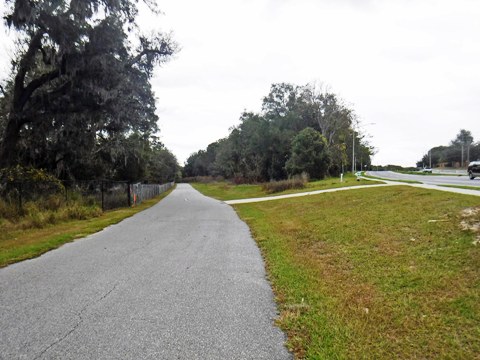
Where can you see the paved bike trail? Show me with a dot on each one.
(181, 280)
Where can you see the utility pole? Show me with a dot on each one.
(353, 145)
(353, 152)
(468, 153)
(461, 165)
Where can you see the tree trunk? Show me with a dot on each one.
(8, 145)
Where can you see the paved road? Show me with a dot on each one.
(427, 179)
(182, 280)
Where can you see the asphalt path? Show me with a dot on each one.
(181, 280)
(427, 179)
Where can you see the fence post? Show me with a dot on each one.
(20, 205)
(66, 191)
(129, 195)
(101, 187)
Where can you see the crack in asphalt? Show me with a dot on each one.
(190, 287)
(78, 323)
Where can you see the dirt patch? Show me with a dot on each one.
(467, 225)
(471, 222)
(470, 212)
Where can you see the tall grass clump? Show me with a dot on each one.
(8, 209)
(32, 199)
(81, 212)
(37, 215)
(297, 182)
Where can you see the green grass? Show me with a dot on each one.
(17, 245)
(377, 273)
(226, 191)
(416, 173)
(463, 187)
(396, 180)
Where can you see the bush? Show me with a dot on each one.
(78, 212)
(36, 214)
(298, 182)
(32, 176)
(53, 202)
(240, 180)
(89, 200)
(8, 210)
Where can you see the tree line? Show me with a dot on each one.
(461, 150)
(78, 101)
(299, 129)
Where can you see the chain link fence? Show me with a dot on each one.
(103, 193)
(140, 192)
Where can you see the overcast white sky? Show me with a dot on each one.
(409, 68)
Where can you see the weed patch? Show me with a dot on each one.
(283, 185)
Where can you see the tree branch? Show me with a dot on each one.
(46, 59)
(25, 65)
(35, 84)
(164, 50)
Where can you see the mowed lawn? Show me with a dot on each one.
(381, 273)
(227, 191)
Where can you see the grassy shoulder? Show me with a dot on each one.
(396, 180)
(226, 191)
(430, 173)
(462, 187)
(361, 275)
(17, 245)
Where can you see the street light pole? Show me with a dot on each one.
(353, 147)
(353, 152)
(468, 153)
(461, 165)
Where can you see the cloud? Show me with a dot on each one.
(410, 67)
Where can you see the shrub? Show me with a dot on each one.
(36, 220)
(78, 212)
(240, 180)
(279, 186)
(32, 176)
(51, 217)
(32, 216)
(53, 202)
(9, 210)
(89, 200)
(35, 214)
